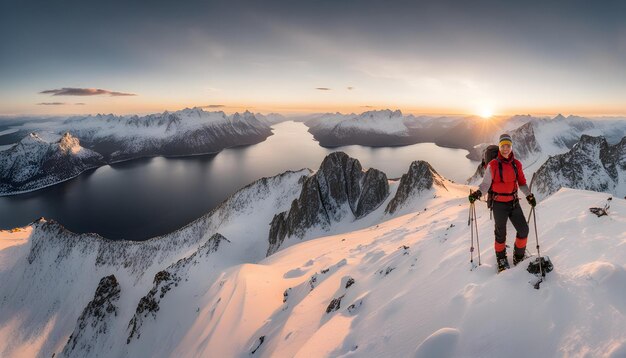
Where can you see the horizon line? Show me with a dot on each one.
(295, 112)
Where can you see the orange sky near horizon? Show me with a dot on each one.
(422, 57)
(135, 105)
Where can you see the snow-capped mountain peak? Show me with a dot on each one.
(592, 164)
(42, 159)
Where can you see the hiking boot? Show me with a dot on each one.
(517, 259)
(503, 264)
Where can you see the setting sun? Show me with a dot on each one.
(486, 113)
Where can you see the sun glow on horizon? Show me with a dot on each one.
(486, 113)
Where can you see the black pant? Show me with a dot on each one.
(509, 210)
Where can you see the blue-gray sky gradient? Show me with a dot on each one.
(428, 56)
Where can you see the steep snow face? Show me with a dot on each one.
(63, 269)
(592, 164)
(43, 159)
(404, 288)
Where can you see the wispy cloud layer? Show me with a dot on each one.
(71, 91)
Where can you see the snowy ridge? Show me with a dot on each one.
(383, 121)
(74, 263)
(44, 159)
(156, 126)
(372, 128)
(270, 118)
(95, 319)
(110, 138)
(184, 132)
(592, 164)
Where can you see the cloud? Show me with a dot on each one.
(214, 106)
(70, 91)
(79, 104)
(51, 103)
(367, 106)
(322, 89)
(350, 88)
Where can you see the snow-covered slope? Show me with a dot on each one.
(387, 284)
(185, 132)
(373, 128)
(400, 288)
(270, 118)
(44, 159)
(49, 277)
(592, 164)
(51, 253)
(404, 288)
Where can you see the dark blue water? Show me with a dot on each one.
(143, 198)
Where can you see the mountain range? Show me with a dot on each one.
(32, 163)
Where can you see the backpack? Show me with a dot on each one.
(491, 153)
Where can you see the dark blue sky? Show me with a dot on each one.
(439, 56)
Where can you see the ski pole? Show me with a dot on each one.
(476, 226)
(469, 220)
(472, 218)
(534, 215)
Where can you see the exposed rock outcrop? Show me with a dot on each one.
(166, 280)
(340, 189)
(592, 164)
(420, 177)
(94, 321)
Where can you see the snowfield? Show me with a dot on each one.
(393, 285)
(413, 293)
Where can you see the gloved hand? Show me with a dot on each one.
(531, 200)
(475, 196)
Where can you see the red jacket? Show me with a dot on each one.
(509, 185)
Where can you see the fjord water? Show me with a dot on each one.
(143, 198)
